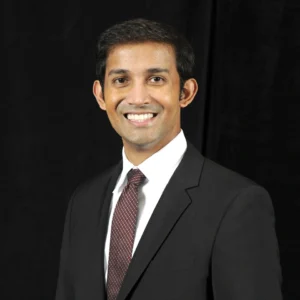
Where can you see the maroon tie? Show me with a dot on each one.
(122, 233)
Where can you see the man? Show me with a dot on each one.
(165, 223)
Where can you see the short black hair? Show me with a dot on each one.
(142, 30)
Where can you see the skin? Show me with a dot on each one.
(142, 78)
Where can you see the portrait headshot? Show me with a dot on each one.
(150, 150)
(165, 222)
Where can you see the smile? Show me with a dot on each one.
(140, 117)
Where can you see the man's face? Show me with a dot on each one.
(141, 94)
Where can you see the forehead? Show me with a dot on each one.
(134, 57)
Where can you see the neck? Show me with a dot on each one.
(137, 154)
(138, 158)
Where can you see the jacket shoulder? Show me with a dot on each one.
(93, 189)
(223, 186)
(223, 176)
(214, 174)
(97, 181)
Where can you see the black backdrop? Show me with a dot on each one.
(54, 136)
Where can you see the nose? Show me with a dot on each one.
(138, 94)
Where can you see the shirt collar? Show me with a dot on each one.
(158, 164)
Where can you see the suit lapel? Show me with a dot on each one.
(103, 222)
(168, 211)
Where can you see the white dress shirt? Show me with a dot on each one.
(158, 170)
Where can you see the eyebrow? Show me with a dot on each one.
(117, 71)
(158, 70)
(151, 71)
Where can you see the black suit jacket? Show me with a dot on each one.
(211, 236)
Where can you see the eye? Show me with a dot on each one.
(156, 79)
(120, 80)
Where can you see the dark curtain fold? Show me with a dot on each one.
(245, 115)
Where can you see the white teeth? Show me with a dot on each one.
(139, 117)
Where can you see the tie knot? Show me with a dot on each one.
(135, 176)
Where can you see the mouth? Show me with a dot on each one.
(140, 117)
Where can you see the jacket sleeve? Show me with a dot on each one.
(64, 290)
(245, 259)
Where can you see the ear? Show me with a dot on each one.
(188, 92)
(98, 93)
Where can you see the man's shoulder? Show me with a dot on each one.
(98, 182)
(220, 173)
(217, 175)
(220, 185)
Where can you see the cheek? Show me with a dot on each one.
(172, 103)
(165, 95)
(116, 99)
(111, 104)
